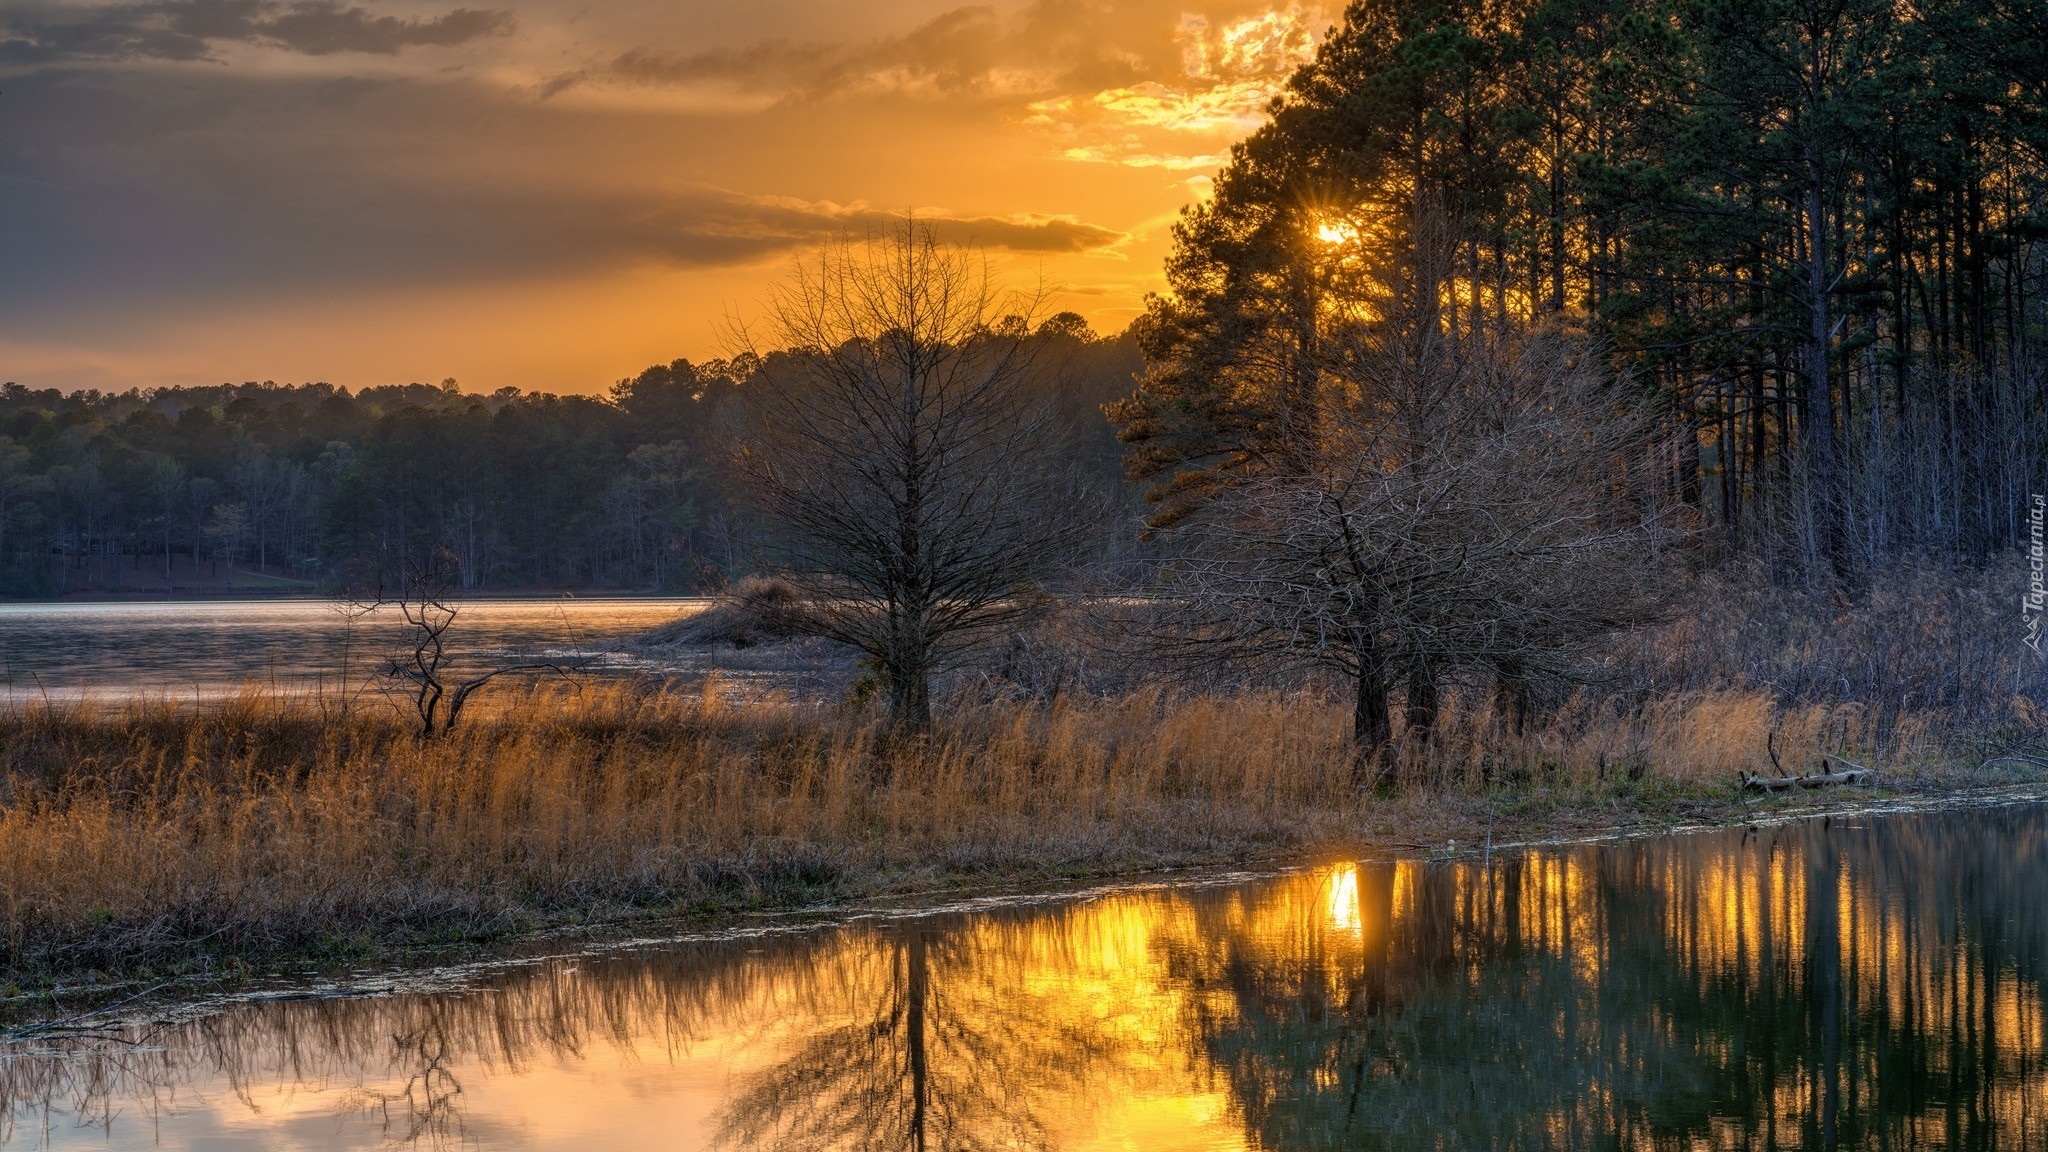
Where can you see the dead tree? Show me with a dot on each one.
(911, 477)
(425, 588)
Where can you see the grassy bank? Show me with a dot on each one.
(158, 839)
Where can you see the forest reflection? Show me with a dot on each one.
(1875, 983)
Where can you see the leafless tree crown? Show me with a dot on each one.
(1458, 502)
(912, 477)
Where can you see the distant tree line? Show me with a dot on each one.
(241, 485)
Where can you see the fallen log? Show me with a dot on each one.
(1852, 777)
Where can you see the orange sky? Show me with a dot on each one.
(554, 194)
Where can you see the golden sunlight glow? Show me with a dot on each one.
(1230, 73)
(654, 172)
(1268, 45)
(1336, 233)
(1344, 910)
(1104, 1021)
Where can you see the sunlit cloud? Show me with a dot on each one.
(964, 52)
(1265, 47)
(1228, 75)
(171, 166)
(1238, 107)
(1130, 156)
(778, 223)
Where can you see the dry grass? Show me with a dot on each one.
(255, 824)
(1917, 642)
(153, 834)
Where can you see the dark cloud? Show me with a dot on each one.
(120, 185)
(321, 26)
(710, 225)
(777, 60)
(187, 29)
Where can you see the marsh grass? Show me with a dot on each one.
(167, 835)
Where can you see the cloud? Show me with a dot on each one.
(1229, 73)
(699, 226)
(1105, 50)
(1262, 47)
(318, 27)
(1235, 108)
(187, 163)
(1132, 155)
(1051, 46)
(114, 185)
(186, 30)
(777, 61)
(1109, 80)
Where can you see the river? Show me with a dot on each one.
(113, 650)
(1867, 982)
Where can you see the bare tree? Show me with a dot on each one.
(911, 476)
(424, 599)
(1468, 502)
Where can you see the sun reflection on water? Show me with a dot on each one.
(1803, 987)
(1344, 911)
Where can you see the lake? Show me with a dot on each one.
(113, 650)
(1869, 982)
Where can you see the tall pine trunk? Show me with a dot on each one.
(1822, 459)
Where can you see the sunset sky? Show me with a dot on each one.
(553, 194)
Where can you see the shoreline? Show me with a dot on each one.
(262, 595)
(396, 965)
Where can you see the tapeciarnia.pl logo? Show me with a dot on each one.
(2032, 604)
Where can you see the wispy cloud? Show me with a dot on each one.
(1104, 85)
(113, 187)
(714, 225)
(190, 29)
(1051, 46)
(1133, 155)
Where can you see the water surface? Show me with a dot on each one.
(114, 650)
(1865, 983)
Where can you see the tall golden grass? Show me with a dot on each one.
(157, 833)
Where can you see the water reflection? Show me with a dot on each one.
(1867, 985)
(1876, 985)
(114, 650)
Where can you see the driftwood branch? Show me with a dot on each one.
(1854, 776)
(80, 1022)
(462, 690)
(424, 601)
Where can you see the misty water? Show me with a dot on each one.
(115, 650)
(1867, 982)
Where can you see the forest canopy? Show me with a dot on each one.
(1809, 230)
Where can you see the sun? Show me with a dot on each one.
(1336, 233)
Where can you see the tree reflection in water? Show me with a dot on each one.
(955, 1032)
(1862, 986)
(936, 1040)
(425, 1109)
(1806, 986)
